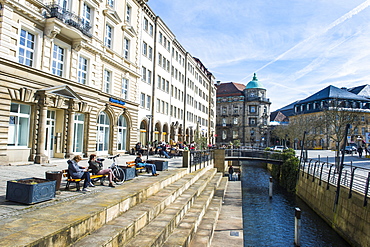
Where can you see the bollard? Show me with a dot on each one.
(270, 188)
(297, 227)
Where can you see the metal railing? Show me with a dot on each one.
(353, 177)
(253, 153)
(200, 159)
(68, 18)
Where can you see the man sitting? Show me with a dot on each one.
(140, 163)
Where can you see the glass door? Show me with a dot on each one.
(78, 135)
(102, 143)
(50, 129)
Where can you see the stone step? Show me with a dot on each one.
(123, 228)
(74, 219)
(158, 230)
(203, 236)
(188, 227)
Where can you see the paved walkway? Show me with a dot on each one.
(229, 228)
(28, 170)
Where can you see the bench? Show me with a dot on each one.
(133, 164)
(78, 180)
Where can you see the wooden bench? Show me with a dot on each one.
(133, 164)
(78, 180)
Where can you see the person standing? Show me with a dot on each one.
(231, 172)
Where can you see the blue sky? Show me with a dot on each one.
(296, 47)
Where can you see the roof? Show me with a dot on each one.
(332, 92)
(363, 90)
(254, 83)
(229, 89)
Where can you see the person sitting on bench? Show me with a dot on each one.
(97, 169)
(80, 172)
(140, 163)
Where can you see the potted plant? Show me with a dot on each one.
(30, 190)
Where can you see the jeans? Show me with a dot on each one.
(147, 165)
(87, 180)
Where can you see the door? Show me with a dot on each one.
(50, 129)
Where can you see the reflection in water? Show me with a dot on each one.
(270, 222)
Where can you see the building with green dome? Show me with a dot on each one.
(242, 114)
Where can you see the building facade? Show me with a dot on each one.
(309, 115)
(73, 75)
(242, 114)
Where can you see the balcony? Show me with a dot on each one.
(67, 17)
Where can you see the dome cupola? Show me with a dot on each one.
(254, 83)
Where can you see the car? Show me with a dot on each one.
(279, 148)
(350, 149)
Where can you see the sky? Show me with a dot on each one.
(296, 47)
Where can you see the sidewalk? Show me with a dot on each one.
(28, 170)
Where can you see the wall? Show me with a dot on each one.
(349, 218)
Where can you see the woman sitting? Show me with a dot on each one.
(97, 168)
(80, 172)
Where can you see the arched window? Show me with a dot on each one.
(122, 133)
(102, 142)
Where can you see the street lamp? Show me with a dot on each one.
(148, 136)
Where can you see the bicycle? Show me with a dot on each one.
(117, 171)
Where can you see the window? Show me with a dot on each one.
(103, 127)
(235, 120)
(146, 24)
(143, 73)
(82, 70)
(128, 14)
(224, 122)
(126, 48)
(108, 36)
(150, 53)
(149, 77)
(111, 3)
(145, 49)
(124, 88)
(58, 60)
(235, 134)
(122, 133)
(252, 109)
(86, 15)
(224, 135)
(142, 100)
(107, 81)
(26, 48)
(19, 121)
(148, 101)
(158, 105)
(160, 37)
(151, 29)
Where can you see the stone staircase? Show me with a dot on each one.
(176, 208)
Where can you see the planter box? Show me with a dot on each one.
(161, 164)
(30, 190)
(129, 172)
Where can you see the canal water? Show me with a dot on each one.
(270, 222)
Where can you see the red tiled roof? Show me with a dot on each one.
(230, 89)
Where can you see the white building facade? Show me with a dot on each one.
(77, 78)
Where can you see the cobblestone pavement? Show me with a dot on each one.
(28, 170)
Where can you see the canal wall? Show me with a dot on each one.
(350, 218)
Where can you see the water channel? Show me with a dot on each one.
(270, 222)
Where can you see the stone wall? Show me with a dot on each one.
(350, 218)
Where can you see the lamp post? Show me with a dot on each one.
(148, 136)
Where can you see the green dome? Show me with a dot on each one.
(254, 83)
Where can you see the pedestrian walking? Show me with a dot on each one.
(359, 150)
